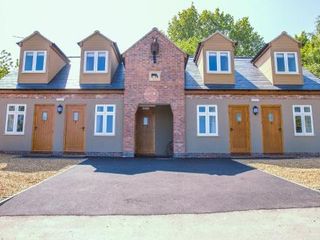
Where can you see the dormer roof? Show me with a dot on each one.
(200, 44)
(51, 44)
(268, 45)
(114, 44)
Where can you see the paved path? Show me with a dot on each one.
(285, 224)
(153, 186)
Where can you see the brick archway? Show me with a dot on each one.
(169, 89)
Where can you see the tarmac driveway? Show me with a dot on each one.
(157, 186)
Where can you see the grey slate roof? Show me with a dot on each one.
(67, 78)
(247, 77)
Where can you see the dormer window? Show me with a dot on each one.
(286, 62)
(34, 61)
(218, 62)
(96, 62)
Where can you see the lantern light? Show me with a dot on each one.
(60, 109)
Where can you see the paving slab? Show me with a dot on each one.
(104, 186)
(284, 224)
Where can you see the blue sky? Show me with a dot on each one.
(66, 22)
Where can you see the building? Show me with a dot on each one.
(155, 100)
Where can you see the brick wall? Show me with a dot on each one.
(139, 90)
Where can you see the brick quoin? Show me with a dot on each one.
(169, 90)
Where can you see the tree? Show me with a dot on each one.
(189, 27)
(6, 63)
(249, 41)
(310, 51)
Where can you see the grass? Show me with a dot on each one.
(303, 171)
(18, 173)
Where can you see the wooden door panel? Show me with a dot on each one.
(43, 127)
(271, 129)
(239, 129)
(75, 128)
(145, 131)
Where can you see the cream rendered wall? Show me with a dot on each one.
(99, 144)
(220, 144)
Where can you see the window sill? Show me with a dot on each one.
(288, 73)
(304, 135)
(207, 135)
(220, 73)
(104, 135)
(14, 134)
(33, 71)
(99, 72)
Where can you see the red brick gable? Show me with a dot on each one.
(168, 90)
(164, 38)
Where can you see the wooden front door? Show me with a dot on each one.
(145, 131)
(43, 127)
(74, 136)
(271, 129)
(239, 129)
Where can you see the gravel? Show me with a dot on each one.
(18, 173)
(303, 171)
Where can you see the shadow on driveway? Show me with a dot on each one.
(132, 166)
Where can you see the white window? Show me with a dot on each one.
(105, 120)
(207, 120)
(218, 62)
(95, 62)
(302, 119)
(286, 62)
(34, 61)
(15, 121)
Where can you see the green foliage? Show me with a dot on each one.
(189, 27)
(310, 51)
(249, 41)
(6, 63)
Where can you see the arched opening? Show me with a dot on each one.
(154, 131)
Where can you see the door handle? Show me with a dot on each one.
(280, 129)
(83, 128)
(231, 129)
(35, 128)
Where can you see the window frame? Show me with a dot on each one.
(95, 61)
(34, 61)
(104, 115)
(286, 65)
(15, 119)
(218, 54)
(302, 114)
(207, 115)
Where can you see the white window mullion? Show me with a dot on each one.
(95, 61)
(286, 64)
(34, 59)
(104, 125)
(207, 120)
(14, 121)
(303, 123)
(218, 62)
